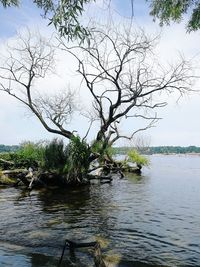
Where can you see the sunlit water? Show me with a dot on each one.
(150, 220)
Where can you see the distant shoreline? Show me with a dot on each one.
(154, 150)
(174, 154)
(161, 150)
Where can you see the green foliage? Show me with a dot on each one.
(71, 161)
(8, 3)
(96, 147)
(6, 155)
(64, 15)
(77, 163)
(167, 10)
(103, 149)
(135, 157)
(55, 156)
(66, 18)
(194, 22)
(29, 155)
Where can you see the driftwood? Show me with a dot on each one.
(15, 176)
(110, 167)
(30, 178)
(7, 162)
(98, 260)
(15, 172)
(21, 175)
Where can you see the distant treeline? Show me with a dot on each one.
(160, 150)
(4, 148)
(124, 150)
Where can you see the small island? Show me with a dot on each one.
(54, 163)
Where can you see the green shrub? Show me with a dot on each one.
(102, 149)
(77, 163)
(71, 162)
(29, 155)
(55, 156)
(135, 157)
(6, 155)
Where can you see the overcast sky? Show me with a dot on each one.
(180, 124)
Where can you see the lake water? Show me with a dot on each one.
(148, 220)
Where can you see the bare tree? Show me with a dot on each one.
(125, 80)
(120, 71)
(29, 59)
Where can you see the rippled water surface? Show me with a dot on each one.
(150, 220)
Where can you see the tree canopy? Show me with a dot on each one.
(169, 10)
(65, 15)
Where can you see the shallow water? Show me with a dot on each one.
(147, 220)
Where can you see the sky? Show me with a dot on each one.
(180, 121)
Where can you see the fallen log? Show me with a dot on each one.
(7, 162)
(11, 177)
(15, 172)
(27, 177)
(20, 175)
(4, 180)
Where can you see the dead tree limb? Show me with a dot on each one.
(30, 59)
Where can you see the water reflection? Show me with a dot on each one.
(23, 195)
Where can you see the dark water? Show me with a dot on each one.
(150, 220)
